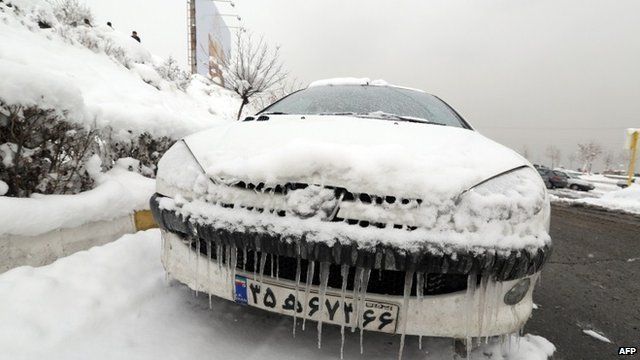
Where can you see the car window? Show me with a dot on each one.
(367, 100)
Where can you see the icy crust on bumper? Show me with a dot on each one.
(311, 239)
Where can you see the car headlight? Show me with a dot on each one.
(512, 203)
(178, 172)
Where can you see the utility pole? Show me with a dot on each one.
(191, 36)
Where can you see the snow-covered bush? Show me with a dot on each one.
(170, 71)
(42, 152)
(145, 148)
(72, 12)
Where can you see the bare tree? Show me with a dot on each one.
(553, 153)
(572, 160)
(623, 158)
(524, 151)
(588, 153)
(609, 161)
(253, 68)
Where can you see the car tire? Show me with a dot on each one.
(574, 187)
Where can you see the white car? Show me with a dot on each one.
(359, 204)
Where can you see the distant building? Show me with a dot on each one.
(209, 39)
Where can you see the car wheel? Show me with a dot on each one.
(574, 187)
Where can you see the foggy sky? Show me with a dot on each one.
(525, 73)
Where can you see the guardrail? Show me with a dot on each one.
(43, 249)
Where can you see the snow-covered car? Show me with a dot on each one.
(574, 182)
(359, 204)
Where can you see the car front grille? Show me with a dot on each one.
(345, 197)
(385, 282)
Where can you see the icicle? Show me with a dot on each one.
(420, 342)
(166, 257)
(482, 308)
(263, 261)
(324, 278)
(408, 283)
(295, 298)
(227, 263)
(357, 280)
(345, 274)
(197, 264)
(244, 259)
(420, 286)
(272, 273)
(255, 265)
(469, 309)
(363, 293)
(219, 255)
(209, 280)
(277, 267)
(310, 269)
(232, 265)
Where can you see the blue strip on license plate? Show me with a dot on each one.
(241, 290)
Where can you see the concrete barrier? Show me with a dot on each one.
(43, 249)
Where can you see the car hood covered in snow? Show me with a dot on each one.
(363, 155)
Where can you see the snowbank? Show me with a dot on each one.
(119, 192)
(112, 302)
(627, 200)
(98, 77)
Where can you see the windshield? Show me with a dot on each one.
(370, 101)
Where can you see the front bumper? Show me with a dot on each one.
(461, 314)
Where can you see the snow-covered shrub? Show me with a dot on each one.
(42, 152)
(72, 12)
(145, 148)
(172, 72)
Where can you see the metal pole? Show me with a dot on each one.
(632, 163)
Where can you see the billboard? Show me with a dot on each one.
(209, 39)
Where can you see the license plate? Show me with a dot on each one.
(375, 315)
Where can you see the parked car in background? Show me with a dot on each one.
(574, 182)
(623, 183)
(553, 179)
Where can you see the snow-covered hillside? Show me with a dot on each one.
(97, 75)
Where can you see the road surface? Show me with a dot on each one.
(591, 282)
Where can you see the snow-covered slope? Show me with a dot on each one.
(81, 70)
(112, 302)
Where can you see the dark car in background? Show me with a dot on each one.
(553, 179)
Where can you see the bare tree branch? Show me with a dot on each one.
(252, 69)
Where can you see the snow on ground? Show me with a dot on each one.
(81, 70)
(113, 302)
(627, 200)
(118, 192)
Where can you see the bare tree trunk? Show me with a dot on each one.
(240, 110)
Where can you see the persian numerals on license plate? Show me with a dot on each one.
(376, 315)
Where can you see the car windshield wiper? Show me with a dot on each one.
(388, 116)
(275, 113)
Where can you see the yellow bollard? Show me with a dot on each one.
(632, 163)
(143, 220)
